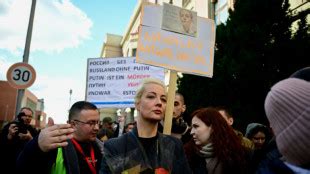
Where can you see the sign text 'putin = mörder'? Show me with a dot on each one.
(112, 82)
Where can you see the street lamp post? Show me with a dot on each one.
(26, 52)
(70, 92)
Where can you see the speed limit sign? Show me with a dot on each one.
(21, 75)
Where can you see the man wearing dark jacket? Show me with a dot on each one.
(14, 137)
(66, 148)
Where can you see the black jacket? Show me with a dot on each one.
(10, 149)
(127, 152)
(33, 160)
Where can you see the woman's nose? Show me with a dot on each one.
(192, 132)
(159, 101)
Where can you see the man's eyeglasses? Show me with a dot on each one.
(90, 123)
(28, 116)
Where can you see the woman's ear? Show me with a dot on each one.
(230, 121)
(183, 108)
(137, 104)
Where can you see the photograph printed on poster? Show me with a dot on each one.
(179, 20)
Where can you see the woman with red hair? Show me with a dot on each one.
(214, 148)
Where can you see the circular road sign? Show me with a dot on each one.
(21, 75)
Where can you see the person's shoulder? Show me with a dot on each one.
(245, 142)
(31, 128)
(115, 141)
(273, 166)
(168, 139)
(120, 145)
(7, 125)
(5, 129)
(118, 142)
(99, 144)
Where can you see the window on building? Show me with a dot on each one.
(185, 3)
(31, 104)
(134, 52)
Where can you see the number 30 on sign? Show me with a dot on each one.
(21, 75)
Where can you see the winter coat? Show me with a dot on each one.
(33, 160)
(10, 149)
(126, 153)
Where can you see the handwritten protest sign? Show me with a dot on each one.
(163, 43)
(174, 51)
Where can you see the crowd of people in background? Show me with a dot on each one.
(208, 143)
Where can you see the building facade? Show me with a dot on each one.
(126, 45)
(8, 101)
(213, 9)
(8, 96)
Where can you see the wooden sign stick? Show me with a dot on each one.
(170, 102)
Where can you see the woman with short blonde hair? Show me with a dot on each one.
(144, 149)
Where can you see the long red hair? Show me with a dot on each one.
(227, 145)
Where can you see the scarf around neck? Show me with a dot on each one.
(207, 151)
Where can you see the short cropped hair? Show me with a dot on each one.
(77, 107)
(181, 97)
(27, 108)
(226, 111)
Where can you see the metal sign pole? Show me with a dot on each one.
(26, 53)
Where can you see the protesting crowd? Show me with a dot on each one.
(207, 144)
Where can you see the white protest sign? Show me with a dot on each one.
(174, 51)
(112, 82)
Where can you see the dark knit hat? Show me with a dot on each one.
(287, 107)
(303, 74)
(253, 128)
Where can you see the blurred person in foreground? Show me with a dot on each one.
(287, 107)
(14, 136)
(144, 149)
(66, 148)
(215, 148)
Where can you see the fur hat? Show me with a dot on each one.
(287, 107)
